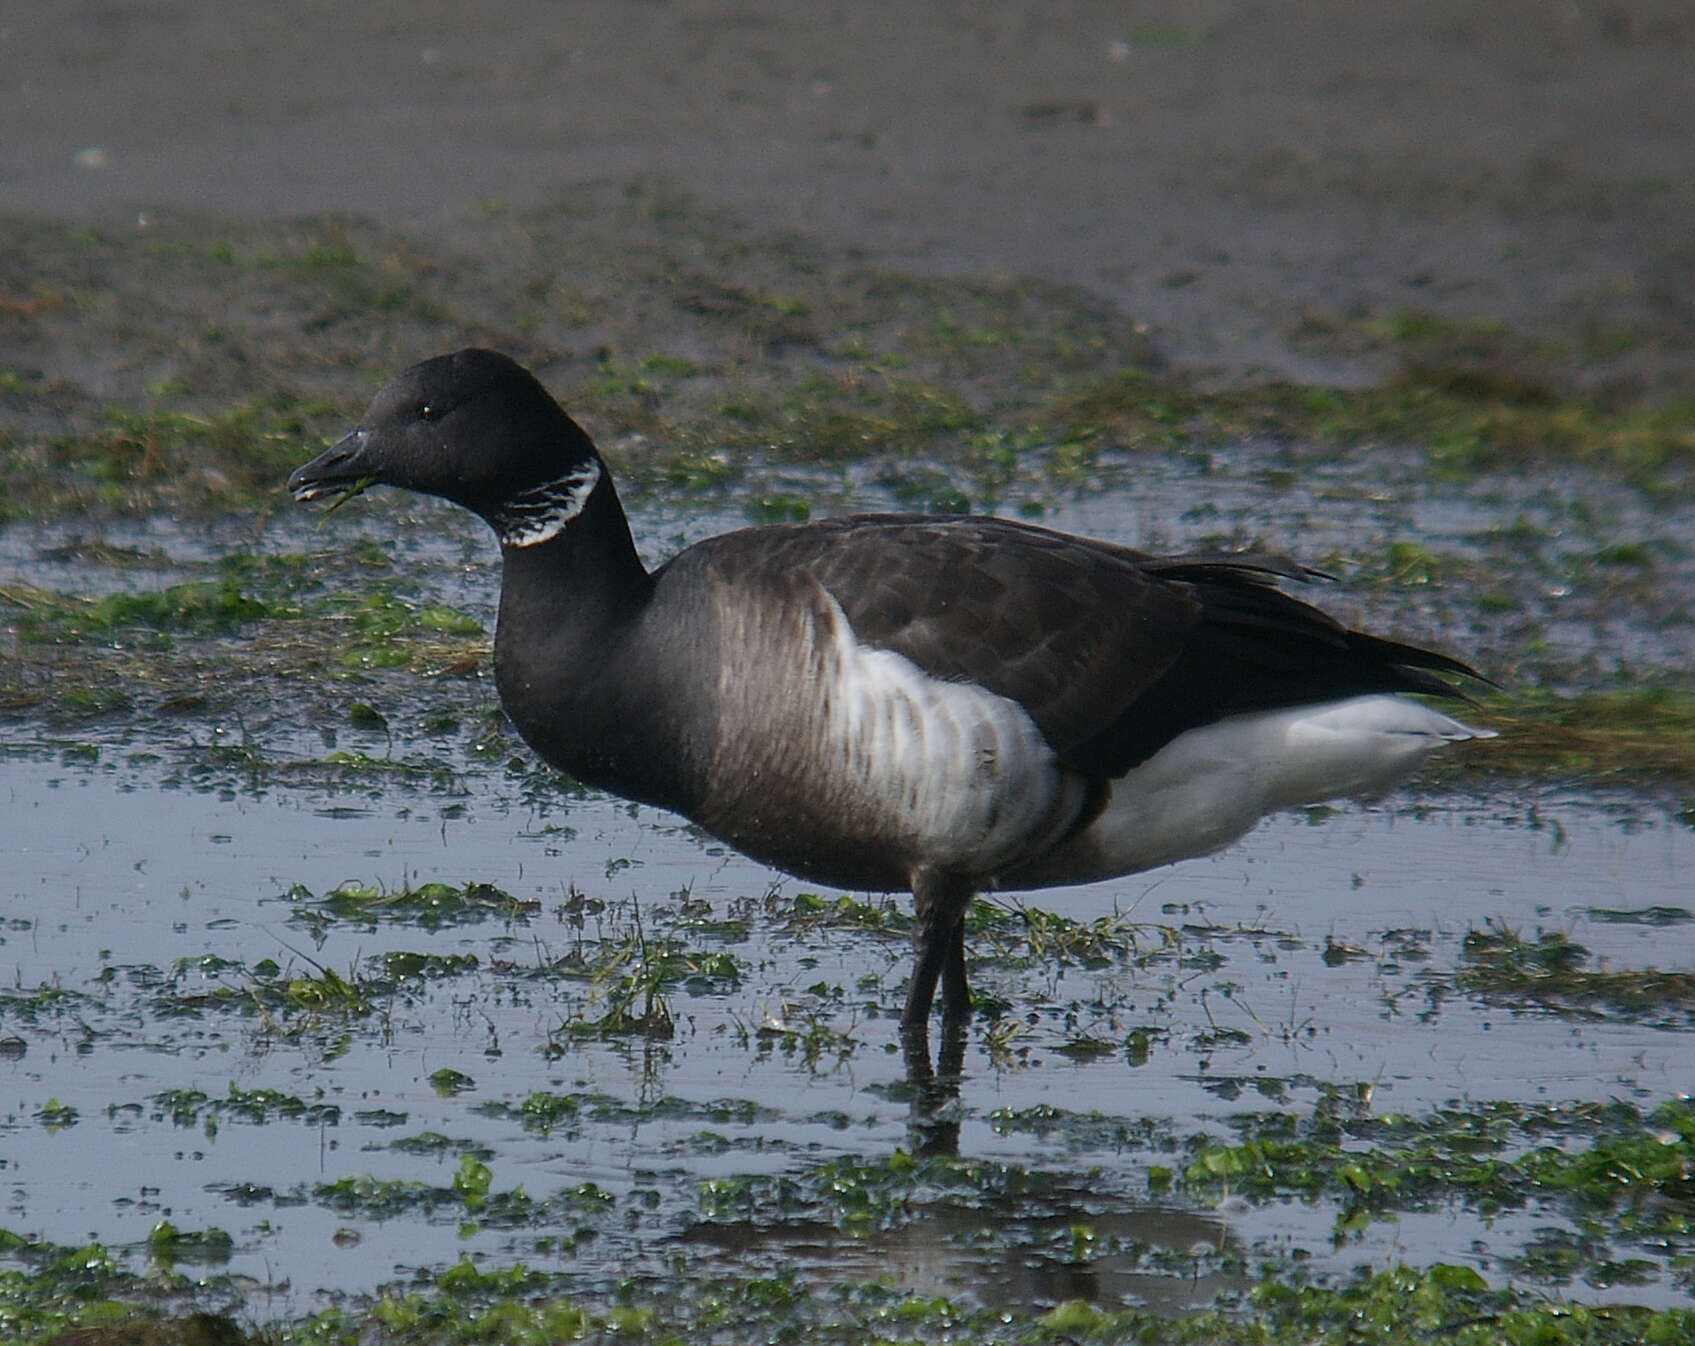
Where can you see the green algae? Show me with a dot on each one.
(167, 1245)
(1603, 735)
(631, 980)
(199, 607)
(141, 460)
(1630, 1173)
(378, 626)
(257, 1107)
(1551, 972)
(543, 1113)
(429, 906)
(80, 1295)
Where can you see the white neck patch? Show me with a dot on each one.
(541, 513)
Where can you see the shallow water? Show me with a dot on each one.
(160, 880)
(123, 886)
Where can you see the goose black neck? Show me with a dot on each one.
(584, 579)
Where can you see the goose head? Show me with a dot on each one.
(473, 427)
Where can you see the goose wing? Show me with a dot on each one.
(1111, 652)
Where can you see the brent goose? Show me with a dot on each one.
(886, 702)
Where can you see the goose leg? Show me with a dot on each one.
(956, 993)
(938, 939)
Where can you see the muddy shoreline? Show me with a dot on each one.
(1254, 186)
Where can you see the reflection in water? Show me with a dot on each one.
(936, 1108)
(996, 1254)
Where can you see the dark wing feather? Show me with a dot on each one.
(1113, 653)
(1072, 631)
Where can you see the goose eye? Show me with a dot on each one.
(427, 412)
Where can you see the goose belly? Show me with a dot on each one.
(1209, 786)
